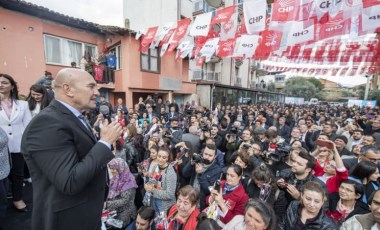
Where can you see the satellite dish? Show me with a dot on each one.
(215, 3)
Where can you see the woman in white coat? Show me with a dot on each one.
(14, 117)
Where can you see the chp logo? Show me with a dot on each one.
(286, 6)
(271, 39)
(181, 30)
(326, 4)
(227, 46)
(228, 25)
(221, 17)
(333, 25)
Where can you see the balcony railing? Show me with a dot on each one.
(200, 7)
(211, 76)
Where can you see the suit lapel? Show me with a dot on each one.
(3, 114)
(15, 111)
(71, 116)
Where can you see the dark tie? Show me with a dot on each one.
(83, 119)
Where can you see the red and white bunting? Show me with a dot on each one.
(162, 31)
(167, 37)
(201, 25)
(226, 48)
(223, 15)
(148, 38)
(179, 33)
(255, 15)
(228, 29)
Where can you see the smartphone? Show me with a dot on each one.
(326, 144)
(217, 185)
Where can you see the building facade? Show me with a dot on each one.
(34, 39)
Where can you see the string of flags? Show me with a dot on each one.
(329, 33)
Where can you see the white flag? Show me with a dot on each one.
(299, 34)
(209, 48)
(140, 33)
(162, 31)
(201, 25)
(164, 47)
(246, 45)
(371, 18)
(255, 15)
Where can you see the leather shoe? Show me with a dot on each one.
(24, 209)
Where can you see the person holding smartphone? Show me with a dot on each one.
(230, 195)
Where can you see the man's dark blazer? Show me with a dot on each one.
(68, 168)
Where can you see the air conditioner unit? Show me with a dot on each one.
(197, 75)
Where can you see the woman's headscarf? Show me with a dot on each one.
(122, 181)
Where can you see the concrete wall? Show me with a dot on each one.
(148, 13)
(22, 46)
(204, 91)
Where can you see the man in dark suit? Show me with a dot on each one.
(367, 153)
(67, 164)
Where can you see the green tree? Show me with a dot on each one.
(361, 91)
(374, 95)
(316, 83)
(300, 87)
(271, 87)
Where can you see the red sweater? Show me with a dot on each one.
(334, 182)
(235, 200)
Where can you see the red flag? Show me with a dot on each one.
(283, 10)
(199, 42)
(304, 11)
(200, 61)
(179, 33)
(353, 71)
(226, 48)
(306, 54)
(148, 38)
(334, 71)
(167, 37)
(334, 27)
(344, 71)
(223, 15)
(241, 28)
(369, 3)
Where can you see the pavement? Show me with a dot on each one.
(17, 220)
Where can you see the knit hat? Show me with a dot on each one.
(343, 138)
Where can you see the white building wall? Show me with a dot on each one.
(143, 14)
(186, 8)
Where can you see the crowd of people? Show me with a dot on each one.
(160, 165)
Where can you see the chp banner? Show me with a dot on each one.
(255, 15)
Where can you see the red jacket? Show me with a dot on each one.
(334, 182)
(235, 200)
(191, 222)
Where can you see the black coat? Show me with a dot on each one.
(68, 168)
(205, 179)
(292, 215)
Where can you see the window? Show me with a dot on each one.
(61, 51)
(150, 61)
(117, 51)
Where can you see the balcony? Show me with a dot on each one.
(213, 77)
(210, 76)
(238, 82)
(201, 7)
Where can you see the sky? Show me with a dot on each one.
(111, 13)
(99, 11)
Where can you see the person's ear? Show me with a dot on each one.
(357, 196)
